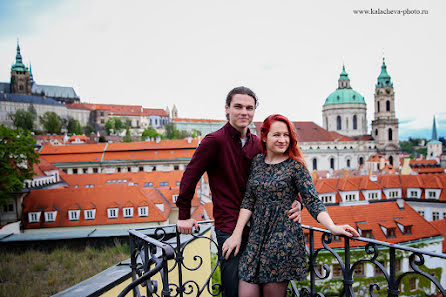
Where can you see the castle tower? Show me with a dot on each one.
(345, 110)
(174, 112)
(385, 124)
(20, 76)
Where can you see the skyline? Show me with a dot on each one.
(160, 54)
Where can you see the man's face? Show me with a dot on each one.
(241, 111)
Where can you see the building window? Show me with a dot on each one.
(355, 122)
(379, 271)
(95, 170)
(112, 213)
(8, 207)
(34, 217)
(337, 272)
(348, 163)
(413, 284)
(326, 198)
(148, 184)
(89, 186)
(102, 121)
(350, 197)
(435, 215)
(178, 183)
(127, 212)
(129, 169)
(141, 169)
(143, 211)
(444, 215)
(367, 233)
(50, 216)
(332, 163)
(431, 194)
(338, 123)
(387, 105)
(393, 194)
(390, 232)
(361, 160)
(373, 195)
(421, 212)
(379, 106)
(164, 184)
(176, 167)
(359, 270)
(413, 194)
(73, 215)
(314, 164)
(89, 214)
(74, 170)
(174, 198)
(390, 134)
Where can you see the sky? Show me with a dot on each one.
(191, 53)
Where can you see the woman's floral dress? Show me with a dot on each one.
(276, 250)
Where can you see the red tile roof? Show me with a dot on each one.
(116, 109)
(178, 120)
(99, 198)
(441, 227)
(370, 217)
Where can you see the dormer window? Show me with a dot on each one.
(174, 198)
(143, 211)
(50, 216)
(127, 212)
(432, 194)
(405, 229)
(164, 184)
(73, 215)
(389, 232)
(89, 214)
(112, 213)
(34, 217)
(327, 198)
(367, 233)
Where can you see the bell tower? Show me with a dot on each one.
(20, 76)
(385, 124)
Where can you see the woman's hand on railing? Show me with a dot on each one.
(346, 230)
(231, 244)
(185, 226)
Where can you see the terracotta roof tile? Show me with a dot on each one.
(178, 120)
(373, 215)
(441, 227)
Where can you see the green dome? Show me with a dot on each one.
(344, 93)
(344, 96)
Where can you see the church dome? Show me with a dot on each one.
(344, 96)
(344, 93)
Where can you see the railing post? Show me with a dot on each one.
(392, 288)
(179, 259)
(348, 273)
(312, 264)
(133, 260)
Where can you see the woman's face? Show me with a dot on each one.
(278, 138)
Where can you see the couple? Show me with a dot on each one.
(272, 252)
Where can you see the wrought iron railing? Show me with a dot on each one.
(150, 255)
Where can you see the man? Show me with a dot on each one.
(226, 156)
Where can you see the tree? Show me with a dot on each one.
(17, 157)
(114, 125)
(88, 129)
(127, 137)
(74, 127)
(151, 133)
(51, 122)
(23, 119)
(171, 132)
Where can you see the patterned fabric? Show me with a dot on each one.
(276, 250)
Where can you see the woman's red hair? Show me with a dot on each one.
(293, 150)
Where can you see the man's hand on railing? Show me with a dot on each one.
(185, 226)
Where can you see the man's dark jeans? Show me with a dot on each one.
(229, 268)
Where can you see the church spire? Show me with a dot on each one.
(384, 79)
(31, 78)
(18, 66)
(434, 130)
(344, 80)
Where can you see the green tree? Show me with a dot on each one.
(127, 137)
(23, 119)
(17, 157)
(171, 132)
(74, 127)
(51, 122)
(114, 125)
(406, 146)
(88, 129)
(151, 133)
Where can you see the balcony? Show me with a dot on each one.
(165, 263)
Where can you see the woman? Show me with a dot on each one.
(275, 253)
